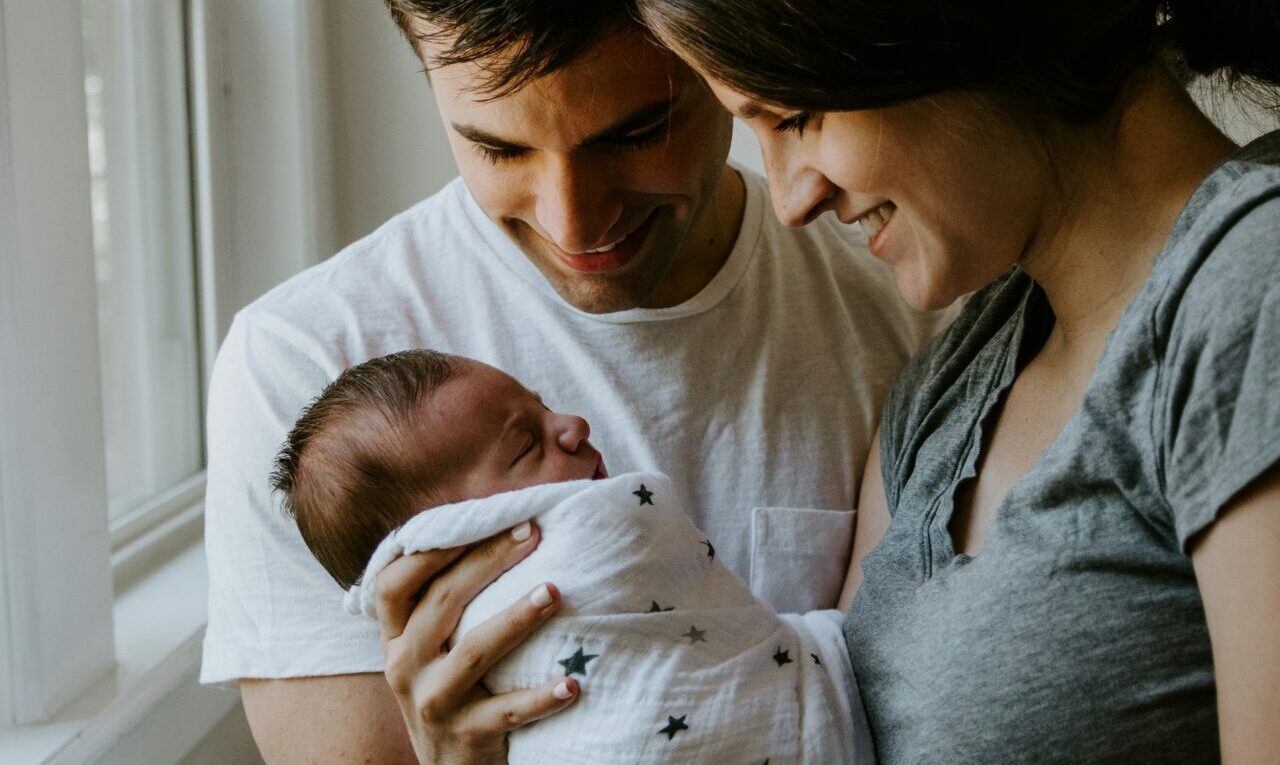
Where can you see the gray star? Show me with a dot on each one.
(674, 726)
(695, 635)
(654, 608)
(816, 660)
(646, 496)
(577, 663)
(781, 657)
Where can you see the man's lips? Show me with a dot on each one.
(614, 258)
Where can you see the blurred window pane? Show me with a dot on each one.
(136, 93)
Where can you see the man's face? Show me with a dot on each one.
(609, 174)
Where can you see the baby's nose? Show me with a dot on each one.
(573, 432)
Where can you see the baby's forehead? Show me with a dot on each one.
(477, 394)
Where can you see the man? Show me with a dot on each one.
(598, 248)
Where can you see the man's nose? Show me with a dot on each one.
(571, 432)
(576, 208)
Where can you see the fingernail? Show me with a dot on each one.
(541, 597)
(522, 532)
(562, 691)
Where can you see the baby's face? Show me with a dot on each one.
(499, 436)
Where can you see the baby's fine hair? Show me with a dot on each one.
(348, 472)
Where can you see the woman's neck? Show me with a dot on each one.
(1122, 184)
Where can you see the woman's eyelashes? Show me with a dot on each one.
(794, 124)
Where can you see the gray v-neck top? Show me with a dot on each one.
(1078, 633)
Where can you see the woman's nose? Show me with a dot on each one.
(571, 432)
(805, 195)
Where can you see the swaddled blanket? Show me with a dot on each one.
(677, 661)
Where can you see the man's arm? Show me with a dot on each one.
(871, 523)
(1237, 563)
(340, 719)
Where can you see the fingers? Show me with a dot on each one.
(399, 586)
(502, 714)
(436, 615)
(483, 646)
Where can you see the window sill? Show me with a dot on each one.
(159, 625)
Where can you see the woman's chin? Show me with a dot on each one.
(923, 293)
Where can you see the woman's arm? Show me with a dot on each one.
(451, 718)
(872, 521)
(1237, 563)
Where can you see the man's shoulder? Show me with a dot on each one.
(415, 257)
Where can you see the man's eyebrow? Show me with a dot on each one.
(642, 117)
(476, 135)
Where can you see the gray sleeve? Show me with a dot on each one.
(1220, 418)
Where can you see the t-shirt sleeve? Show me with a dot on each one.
(1221, 402)
(273, 611)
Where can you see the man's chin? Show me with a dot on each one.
(601, 299)
(600, 293)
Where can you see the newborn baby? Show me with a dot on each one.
(676, 660)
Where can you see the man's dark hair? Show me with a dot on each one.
(519, 40)
(348, 472)
(1068, 59)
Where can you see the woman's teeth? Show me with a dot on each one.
(607, 247)
(875, 220)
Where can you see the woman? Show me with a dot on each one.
(1071, 552)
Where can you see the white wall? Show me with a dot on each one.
(389, 146)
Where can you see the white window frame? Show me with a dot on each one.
(82, 662)
(55, 576)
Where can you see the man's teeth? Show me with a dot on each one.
(607, 247)
(875, 220)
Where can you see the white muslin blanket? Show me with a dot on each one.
(677, 661)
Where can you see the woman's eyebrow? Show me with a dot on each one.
(750, 109)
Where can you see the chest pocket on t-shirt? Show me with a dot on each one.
(799, 556)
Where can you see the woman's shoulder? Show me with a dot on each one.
(1233, 210)
(1223, 256)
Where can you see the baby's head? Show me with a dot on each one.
(414, 430)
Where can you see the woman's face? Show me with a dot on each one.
(950, 193)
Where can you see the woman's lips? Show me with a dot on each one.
(874, 224)
(612, 258)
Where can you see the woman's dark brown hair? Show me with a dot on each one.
(1070, 59)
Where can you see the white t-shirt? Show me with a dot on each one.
(759, 396)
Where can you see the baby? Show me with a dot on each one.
(677, 661)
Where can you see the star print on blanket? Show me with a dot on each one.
(677, 661)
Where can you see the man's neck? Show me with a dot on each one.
(708, 245)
